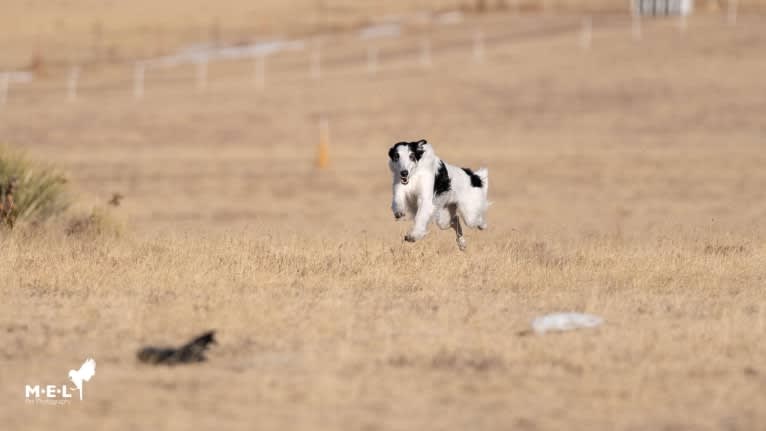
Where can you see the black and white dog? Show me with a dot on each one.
(427, 188)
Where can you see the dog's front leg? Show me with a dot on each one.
(397, 202)
(423, 216)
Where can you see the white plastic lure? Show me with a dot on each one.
(565, 322)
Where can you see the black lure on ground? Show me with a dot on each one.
(193, 351)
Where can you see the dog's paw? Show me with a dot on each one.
(461, 243)
(398, 215)
(414, 236)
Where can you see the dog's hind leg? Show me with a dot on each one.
(473, 217)
(455, 223)
(444, 219)
(482, 220)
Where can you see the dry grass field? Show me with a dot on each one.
(628, 181)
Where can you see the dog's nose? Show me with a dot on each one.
(404, 173)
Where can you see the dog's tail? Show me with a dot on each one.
(483, 173)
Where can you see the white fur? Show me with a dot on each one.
(416, 199)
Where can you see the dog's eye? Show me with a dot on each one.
(412, 157)
(395, 157)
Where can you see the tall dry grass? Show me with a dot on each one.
(329, 332)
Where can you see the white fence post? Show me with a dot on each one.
(316, 62)
(372, 60)
(202, 74)
(425, 53)
(478, 46)
(731, 16)
(4, 84)
(74, 76)
(635, 15)
(260, 72)
(586, 37)
(138, 80)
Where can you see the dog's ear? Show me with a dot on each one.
(417, 148)
(392, 153)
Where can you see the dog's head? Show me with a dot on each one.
(403, 159)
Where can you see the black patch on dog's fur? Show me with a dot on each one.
(392, 154)
(475, 179)
(416, 148)
(442, 183)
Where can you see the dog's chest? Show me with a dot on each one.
(419, 187)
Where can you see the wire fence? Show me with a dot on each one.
(295, 62)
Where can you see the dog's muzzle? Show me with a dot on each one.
(404, 177)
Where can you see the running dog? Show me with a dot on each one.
(426, 188)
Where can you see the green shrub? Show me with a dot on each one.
(40, 190)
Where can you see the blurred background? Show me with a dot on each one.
(62, 33)
(593, 116)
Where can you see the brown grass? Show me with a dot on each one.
(627, 182)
